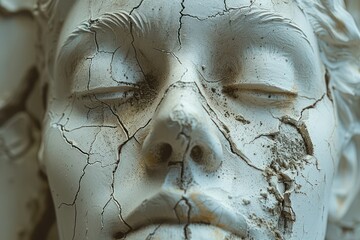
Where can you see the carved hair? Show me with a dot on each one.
(339, 41)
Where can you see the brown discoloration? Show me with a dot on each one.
(242, 119)
(328, 88)
(43, 227)
(276, 234)
(289, 151)
(302, 129)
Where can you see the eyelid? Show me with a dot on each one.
(260, 87)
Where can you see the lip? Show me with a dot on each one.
(192, 208)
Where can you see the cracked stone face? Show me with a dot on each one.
(190, 120)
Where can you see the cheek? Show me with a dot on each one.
(322, 126)
(77, 142)
(297, 159)
(64, 165)
(316, 176)
(321, 122)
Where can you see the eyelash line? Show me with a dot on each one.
(258, 88)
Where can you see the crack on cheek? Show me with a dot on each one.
(92, 108)
(141, 128)
(180, 22)
(70, 105)
(152, 234)
(83, 170)
(77, 192)
(88, 126)
(112, 197)
(75, 222)
(116, 115)
(312, 106)
(332, 155)
(271, 136)
(71, 143)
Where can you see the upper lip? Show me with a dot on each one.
(191, 208)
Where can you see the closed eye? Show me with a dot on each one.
(260, 93)
(117, 94)
(260, 87)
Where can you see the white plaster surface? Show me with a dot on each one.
(192, 113)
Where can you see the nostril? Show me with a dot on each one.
(119, 235)
(197, 154)
(158, 154)
(164, 152)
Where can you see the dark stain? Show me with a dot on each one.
(47, 220)
(242, 119)
(327, 82)
(17, 103)
(302, 129)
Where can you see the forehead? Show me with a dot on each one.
(171, 15)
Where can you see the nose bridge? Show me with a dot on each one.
(176, 120)
(181, 130)
(183, 109)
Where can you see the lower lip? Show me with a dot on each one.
(180, 231)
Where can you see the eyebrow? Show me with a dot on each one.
(135, 23)
(111, 22)
(250, 20)
(121, 24)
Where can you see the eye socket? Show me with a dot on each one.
(260, 93)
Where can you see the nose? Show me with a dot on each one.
(181, 130)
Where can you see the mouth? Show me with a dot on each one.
(173, 209)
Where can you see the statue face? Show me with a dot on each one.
(189, 120)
